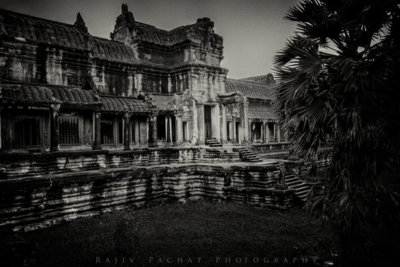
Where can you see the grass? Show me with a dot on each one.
(175, 234)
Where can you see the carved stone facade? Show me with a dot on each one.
(64, 89)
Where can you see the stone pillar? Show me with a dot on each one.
(97, 130)
(245, 120)
(166, 128)
(274, 132)
(152, 130)
(139, 82)
(127, 132)
(215, 122)
(200, 123)
(54, 128)
(278, 133)
(234, 129)
(195, 129)
(170, 130)
(169, 83)
(223, 126)
(242, 124)
(178, 130)
(262, 133)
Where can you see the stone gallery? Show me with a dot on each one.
(64, 89)
(90, 125)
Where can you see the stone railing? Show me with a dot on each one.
(27, 164)
(266, 147)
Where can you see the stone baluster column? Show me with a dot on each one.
(267, 133)
(127, 132)
(97, 130)
(54, 128)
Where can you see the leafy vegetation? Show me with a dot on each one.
(339, 84)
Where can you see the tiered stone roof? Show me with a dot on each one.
(109, 50)
(32, 94)
(45, 95)
(113, 103)
(39, 30)
(251, 90)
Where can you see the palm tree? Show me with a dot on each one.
(336, 79)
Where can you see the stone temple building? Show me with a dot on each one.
(63, 89)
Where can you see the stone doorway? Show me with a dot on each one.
(207, 122)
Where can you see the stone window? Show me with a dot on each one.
(27, 132)
(256, 131)
(69, 130)
(271, 132)
(107, 132)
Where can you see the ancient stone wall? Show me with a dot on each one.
(32, 202)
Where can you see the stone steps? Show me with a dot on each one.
(213, 143)
(249, 155)
(301, 189)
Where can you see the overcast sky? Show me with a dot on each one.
(253, 30)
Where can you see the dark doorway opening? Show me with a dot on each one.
(161, 134)
(207, 122)
(237, 132)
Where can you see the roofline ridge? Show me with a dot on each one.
(149, 25)
(167, 31)
(7, 82)
(107, 39)
(252, 82)
(264, 75)
(36, 17)
(117, 96)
